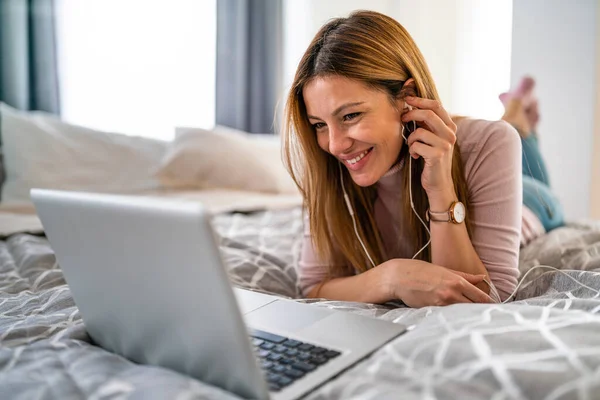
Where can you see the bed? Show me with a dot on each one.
(546, 344)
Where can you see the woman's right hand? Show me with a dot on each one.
(418, 284)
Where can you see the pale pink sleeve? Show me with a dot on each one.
(494, 178)
(311, 270)
(531, 227)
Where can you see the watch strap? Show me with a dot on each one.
(441, 216)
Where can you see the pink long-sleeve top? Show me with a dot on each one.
(491, 156)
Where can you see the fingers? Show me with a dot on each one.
(426, 151)
(427, 145)
(433, 105)
(472, 279)
(462, 299)
(433, 121)
(448, 297)
(475, 294)
(427, 137)
(469, 289)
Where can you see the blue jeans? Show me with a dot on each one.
(537, 195)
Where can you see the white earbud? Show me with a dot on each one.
(414, 123)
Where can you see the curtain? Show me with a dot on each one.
(249, 63)
(28, 66)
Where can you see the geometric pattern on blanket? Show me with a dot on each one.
(545, 345)
(261, 250)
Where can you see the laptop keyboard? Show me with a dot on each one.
(284, 360)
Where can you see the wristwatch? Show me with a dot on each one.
(456, 214)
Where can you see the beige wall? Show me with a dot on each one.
(595, 184)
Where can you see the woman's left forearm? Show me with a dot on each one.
(451, 246)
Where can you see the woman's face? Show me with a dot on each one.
(356, 124)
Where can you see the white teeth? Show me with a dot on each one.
(357, 158)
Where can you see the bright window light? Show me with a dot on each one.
(483, 57)
(139, 67)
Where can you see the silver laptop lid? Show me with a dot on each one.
(149, 280)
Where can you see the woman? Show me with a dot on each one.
(358, 86)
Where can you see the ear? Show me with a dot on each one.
(409, 88)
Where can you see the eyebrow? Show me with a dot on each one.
(340, 109)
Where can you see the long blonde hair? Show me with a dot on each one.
(376, 50)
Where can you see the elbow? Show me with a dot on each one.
(311, 290)
(502, 282)
(505, 294)
(504, 287)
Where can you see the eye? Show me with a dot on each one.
(351, 116)
(318, 125)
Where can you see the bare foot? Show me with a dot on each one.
(521, 107)
(523, 92)
(515, 115)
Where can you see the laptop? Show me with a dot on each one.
(149, 280)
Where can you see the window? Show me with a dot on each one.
(139, 67)
(483, 58)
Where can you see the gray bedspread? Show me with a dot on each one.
(544, 345)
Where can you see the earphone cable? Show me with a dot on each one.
(412, 204)
(351, 212)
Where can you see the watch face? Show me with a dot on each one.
(459, 212)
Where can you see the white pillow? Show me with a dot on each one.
(42, 151)
(225, 158)
(269, 146)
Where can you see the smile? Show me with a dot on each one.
(358, 158)
(356, 162)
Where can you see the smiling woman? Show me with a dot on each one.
(361, 83)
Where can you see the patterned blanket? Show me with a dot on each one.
(544, 345)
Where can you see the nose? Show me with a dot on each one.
(339, 141)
